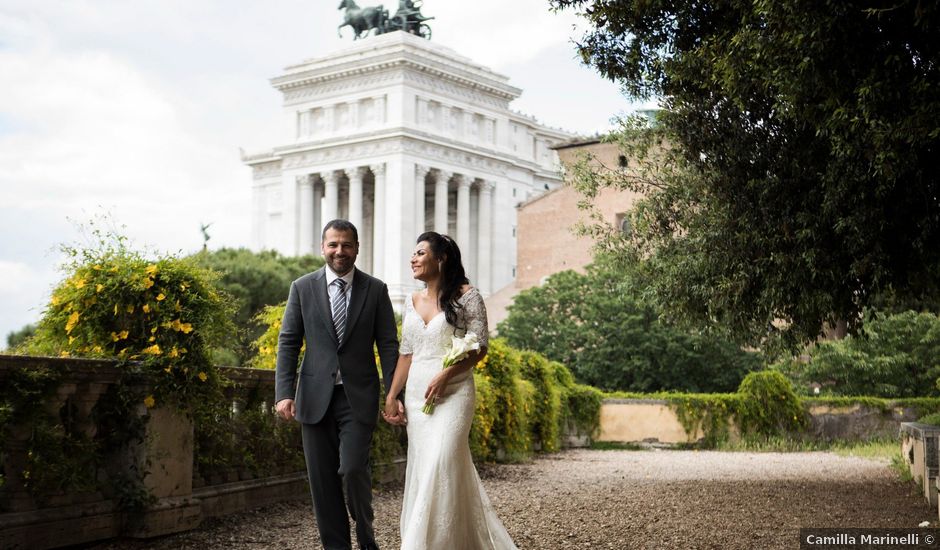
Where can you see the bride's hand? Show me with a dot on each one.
(394, 412)
(437, 386)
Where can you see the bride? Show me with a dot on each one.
(445, 505)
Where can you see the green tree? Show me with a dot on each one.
(791, 175)
(17, 337)
(254, 280)
(891, 356)
(602, 328)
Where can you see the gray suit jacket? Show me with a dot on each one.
(370, 320)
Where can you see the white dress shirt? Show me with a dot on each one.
(333, 290)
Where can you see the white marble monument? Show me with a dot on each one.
(400, 136)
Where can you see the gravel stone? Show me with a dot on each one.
(587, 499)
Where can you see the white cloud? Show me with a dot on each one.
(498, 33)
(14, 277)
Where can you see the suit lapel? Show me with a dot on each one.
(321, 304)
(359, 287)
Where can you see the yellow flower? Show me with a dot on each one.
(152, 350)
(71, 339)
(113, 269)
(148, 283)
(96, 267)
(55, 300)
(64, 354)
(99, 287)
(168, 369)
(80, 283)
(153, 330)
(172, 353)
(183, 287)
(129, 308)
(202, 376)
(152, 339)
(97, 349)
(161, 297)
(149, 401)
(146, 308)
(73, 320)
(115, 309)
(151, 270)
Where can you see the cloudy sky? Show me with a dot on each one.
(138, 109)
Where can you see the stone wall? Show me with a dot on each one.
(34, 520)
(653, 421)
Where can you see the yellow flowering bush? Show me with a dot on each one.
(117, 303)
(266, 345)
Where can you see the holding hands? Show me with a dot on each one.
(394, 412)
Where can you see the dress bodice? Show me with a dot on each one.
(433, 339)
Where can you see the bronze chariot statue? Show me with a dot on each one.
(407, 18)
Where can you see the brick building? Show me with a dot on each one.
(545, 236)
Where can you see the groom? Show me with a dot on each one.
(341, 312)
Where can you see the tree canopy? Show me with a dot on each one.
(600, 325)
(892, 356)
(792, 173)
(254, 280)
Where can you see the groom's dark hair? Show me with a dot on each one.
(453, 275)
(340, 225)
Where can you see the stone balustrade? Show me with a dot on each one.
(919, 449)
(98, 498)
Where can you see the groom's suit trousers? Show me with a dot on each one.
(337, 454)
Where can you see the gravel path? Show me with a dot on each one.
(583, 499)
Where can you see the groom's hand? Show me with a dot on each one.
(285, 409)
(394, 412)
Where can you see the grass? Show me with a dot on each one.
(882, 450)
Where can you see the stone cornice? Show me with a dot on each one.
(396, 54)
(286, 151)
(367, 144)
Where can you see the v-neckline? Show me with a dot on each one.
(429, 321)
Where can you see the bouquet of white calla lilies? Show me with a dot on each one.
(459, 350)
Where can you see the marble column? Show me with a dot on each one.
(378, 221)
(355, 196)
(485, 239)
(463, 213)
(440, 201)
(421, 173)
(305, 213)
(330, 196)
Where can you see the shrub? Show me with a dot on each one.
(546, 417)
(768, 406)
(116, 303)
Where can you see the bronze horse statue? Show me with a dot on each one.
(362, 20)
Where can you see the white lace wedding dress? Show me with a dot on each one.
(445, 506)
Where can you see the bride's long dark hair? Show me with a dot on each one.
(453, 276)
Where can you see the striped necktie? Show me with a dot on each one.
(339, 309)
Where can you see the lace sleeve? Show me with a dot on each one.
(406, 347)
(474, 315)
